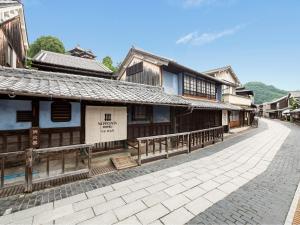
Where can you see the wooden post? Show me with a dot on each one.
(28, 170)
(147, 145)
(153, 146)
(62, 162)
(167, 155)
(90, 151)
(160, 146)
(139, 153)
(2, 171)
(189, 143)
(48, 167)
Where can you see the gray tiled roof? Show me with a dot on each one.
(70, 61)
(200, 104)
(60, 85)
(7, 3)
(295, 94)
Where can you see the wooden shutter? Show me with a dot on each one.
(24, 116)
(61, 111)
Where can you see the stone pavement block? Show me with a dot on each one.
(156, 222)
(222, 179)
(140, 185)
(129, 209)
(117, 193)
(24, 214)
(215, 195)
(69, 200)
(23, 221)
(151, 214)
(129, 221)
(157, 187)
(149, 176)
(228, 187)
(175, 180)
(189, 175)
(217, 172)
(99, 191)
(194, 193)
(176, 189)
(232, 174)
(48, 216)
(198, 205)
(88, 203)
(239, 181)
(76, 217)
(174, 173)
(107, 218)
(176, 202)
(177, 217)
(107, 206)
(123, 184)
(155, 198)
(135, 195)
(191, 182)
(205, 176)
(209, 185)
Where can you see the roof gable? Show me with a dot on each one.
(224, 69)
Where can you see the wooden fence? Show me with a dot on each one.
(163, 145)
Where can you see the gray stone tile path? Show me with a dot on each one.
(192, 192)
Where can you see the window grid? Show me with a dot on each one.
(199, 87)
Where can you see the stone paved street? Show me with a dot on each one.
(250, 179)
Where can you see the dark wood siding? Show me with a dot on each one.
(10, 33)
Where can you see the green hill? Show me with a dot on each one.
(264, 93)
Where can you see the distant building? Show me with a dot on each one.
(82, 53)
(233, 93)
(13, 35)
(64, 63)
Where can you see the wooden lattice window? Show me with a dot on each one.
(61, 111)
(24, 116)
(134, 69)
(140, 113)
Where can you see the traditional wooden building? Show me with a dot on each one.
(82, 53)
(66, 63)
(233, 93)
(275, 109)
(13, 35)
(203, 92)
(61, 107)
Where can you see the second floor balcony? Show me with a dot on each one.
(237, 99)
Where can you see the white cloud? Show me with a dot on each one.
(190, 3)
(198, 3)
(195, 38)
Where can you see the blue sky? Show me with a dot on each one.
(259, 38)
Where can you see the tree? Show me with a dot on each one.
(295, 103)
(107, 61)
(48, 43)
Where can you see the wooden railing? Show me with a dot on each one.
(162, 144)
(180, 142)
(201, 137)
(36, 155)
(3, 159)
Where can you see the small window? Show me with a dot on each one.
(140, 113)
(61, 112)
(107, 117)
(24, 116)
(134, 69)
(9, 56)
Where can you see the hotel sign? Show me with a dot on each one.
(104, 123)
